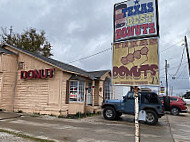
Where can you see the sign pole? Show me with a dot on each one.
(137, 127)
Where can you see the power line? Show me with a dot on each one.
(111, 49)
(182, 72)
(91, 55)
(170, 46)
(180, 62)
(174, 67)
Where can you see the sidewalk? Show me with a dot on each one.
(8, 115)
(97, 129)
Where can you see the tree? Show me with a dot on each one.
(29, 40)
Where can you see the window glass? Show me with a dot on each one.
(76, 92)
(130, 95)
(150, 98)
(107, 89)
(173, 99)
(81, 92)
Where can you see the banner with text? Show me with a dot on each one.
(135, 62)
(135, 19)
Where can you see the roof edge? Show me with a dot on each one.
(6, 44)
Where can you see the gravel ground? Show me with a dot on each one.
(5, 137)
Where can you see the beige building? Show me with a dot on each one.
(35, 84)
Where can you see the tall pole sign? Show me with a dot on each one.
(135, 48)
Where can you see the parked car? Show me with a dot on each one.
(148, 101)
(177, 105)
(186, 97)
(187, 100)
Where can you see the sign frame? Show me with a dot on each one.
(133, 85)
(137, 37)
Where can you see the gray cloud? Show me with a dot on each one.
(79, 28)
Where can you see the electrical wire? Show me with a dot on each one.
(111, 49)
(170, 46)
(183, 69)
(180, 62)
(91, 55)
(175, 66)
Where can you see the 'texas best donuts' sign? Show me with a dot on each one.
(135, 19)
(135, 62)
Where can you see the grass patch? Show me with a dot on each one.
(35, 114)
(26, 136)
(79, 115)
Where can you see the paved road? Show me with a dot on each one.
(180, 127)
(93, 128)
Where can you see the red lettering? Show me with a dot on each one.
(130, 31)
(51, 72)
(23, 74)
(143, 42)
(138, 29)
(136, 72)
(30, 74)
(152, 29)
(144, 27)
(44, 74)
(125, 44)
(37, 74)
(118, 34)
(153, 41)
(124, 32)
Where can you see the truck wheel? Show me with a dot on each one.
(151, 117)
(109, 113)
(174, 111)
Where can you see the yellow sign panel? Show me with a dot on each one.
(136, 62)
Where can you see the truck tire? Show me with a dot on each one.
(151, 117)
(109, 113)
(174, 111)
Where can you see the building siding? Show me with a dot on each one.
(44, 96)
(8, 77)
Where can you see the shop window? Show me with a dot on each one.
(107, 89)
(21, 65)
(76, 91)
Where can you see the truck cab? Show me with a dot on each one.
(148, 101)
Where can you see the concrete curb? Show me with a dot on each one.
(9, 115)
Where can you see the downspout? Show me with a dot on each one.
(14, 91)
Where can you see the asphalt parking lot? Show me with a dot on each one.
(97, 129)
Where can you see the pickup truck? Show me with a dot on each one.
(148, 101)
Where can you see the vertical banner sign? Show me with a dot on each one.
(135, 62)
(135, 19)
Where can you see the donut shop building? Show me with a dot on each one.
(35, 84)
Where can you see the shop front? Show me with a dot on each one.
(35, 84)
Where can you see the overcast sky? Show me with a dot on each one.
(79, 28)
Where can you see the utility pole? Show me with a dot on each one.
(187, 50)
(166, 72)
(11, 29)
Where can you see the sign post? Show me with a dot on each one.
(135, 48)
(137, 126)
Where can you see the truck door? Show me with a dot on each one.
(128, 104)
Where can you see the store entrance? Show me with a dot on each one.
(89, 94)
(0, 89)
